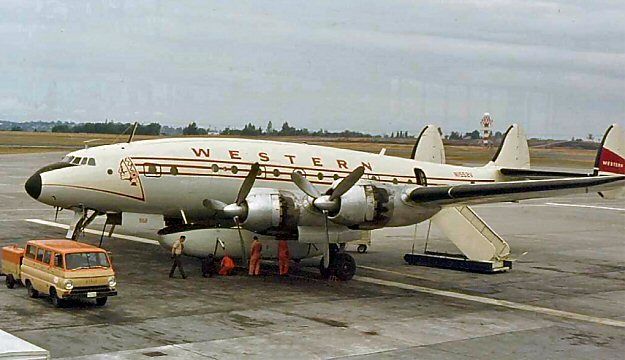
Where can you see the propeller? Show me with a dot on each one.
(330, 201)
(238, 209)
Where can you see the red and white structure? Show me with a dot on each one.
(487, 130)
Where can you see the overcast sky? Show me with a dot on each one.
(557, 68)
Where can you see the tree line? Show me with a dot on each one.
(107, 128)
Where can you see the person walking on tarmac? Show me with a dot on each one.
(283, 257)
(176, 254)
(227, 265)
(257, 248)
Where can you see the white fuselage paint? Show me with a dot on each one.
(167, 176)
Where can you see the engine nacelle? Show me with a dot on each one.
(369, 206)
(264, 210)
(357, 206)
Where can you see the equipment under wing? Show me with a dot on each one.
(511, 191)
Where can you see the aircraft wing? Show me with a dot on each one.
(454, 195)
(532, 174)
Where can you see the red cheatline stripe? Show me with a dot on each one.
(291, 167)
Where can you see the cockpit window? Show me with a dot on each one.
(91, 162)
(84, 161)
(67, 159)
(76, 160)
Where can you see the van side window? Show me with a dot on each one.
(46, 256)
(58, 260)
(31, 251)
(40, 255)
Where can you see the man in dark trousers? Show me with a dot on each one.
(176, 254)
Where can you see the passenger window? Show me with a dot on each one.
(46, 257)
(152, 170)
(234, 169)
(76, 160)
(40, 254)
(91, 162)
(58, 260)
(31, 251)
(84, 161)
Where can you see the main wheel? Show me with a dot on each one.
(362, 248)
(56, 300)
(344, 266)
(101, 301)
(10, 281)
(31, 290)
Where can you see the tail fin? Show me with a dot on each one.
(429, 146)
(513, 151)
(611, 155)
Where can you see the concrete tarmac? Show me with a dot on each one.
(564, 298)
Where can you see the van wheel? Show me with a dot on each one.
(101, 301)
(10, 281)
(56, 301)
(31, 291)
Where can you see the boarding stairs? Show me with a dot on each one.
(483, 250)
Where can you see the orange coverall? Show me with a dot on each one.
(227, 264)
(283, 257)
(257, 247)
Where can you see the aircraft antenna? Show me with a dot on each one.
(132, 133)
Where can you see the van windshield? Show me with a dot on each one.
(86, 260)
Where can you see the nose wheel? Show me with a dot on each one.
(342, 266)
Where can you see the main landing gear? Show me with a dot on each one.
(342, 265)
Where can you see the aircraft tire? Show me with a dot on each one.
(344, 266)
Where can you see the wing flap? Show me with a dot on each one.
(511, 190)
(533, 174)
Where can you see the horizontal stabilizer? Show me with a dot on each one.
(429, 146)
(511, 191)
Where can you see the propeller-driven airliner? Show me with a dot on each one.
(315, 197)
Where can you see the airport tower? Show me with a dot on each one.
(487, 130)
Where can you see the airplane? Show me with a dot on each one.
(214, 189)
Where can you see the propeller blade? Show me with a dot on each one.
(248, 183)
(303, 184)
(347, 183)
(243, 253)
(326, 251)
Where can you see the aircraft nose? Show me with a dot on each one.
(33, 185)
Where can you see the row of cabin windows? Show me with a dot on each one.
(152, 170)
(77, 160)
(44, 256)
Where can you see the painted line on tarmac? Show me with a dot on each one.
(495, 302)
(94, 232)
(586, 206)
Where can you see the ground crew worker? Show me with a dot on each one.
(227, 264)
(283, 257)
(257, 248)
(176, 254)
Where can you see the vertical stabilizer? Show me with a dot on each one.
(429, 146)
(513, 151)
(611, 154)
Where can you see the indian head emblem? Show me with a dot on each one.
(127, 171)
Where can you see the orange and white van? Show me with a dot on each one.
(66, 269)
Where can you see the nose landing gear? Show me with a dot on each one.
(342, 265)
